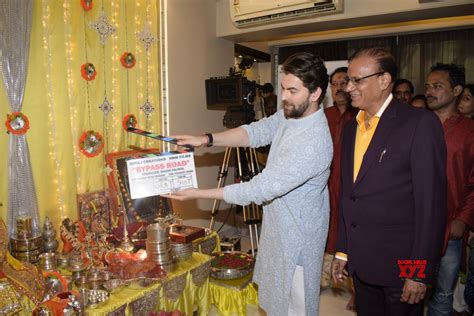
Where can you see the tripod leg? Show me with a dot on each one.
(252, 246)
(254, 161)
(220, 183)
(256, 233)
(256, 215)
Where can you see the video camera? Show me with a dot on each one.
(234, 94)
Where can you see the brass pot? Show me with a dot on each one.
(27, 256)
(27, 244)
(47, 261)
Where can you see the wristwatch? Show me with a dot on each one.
(210, 139)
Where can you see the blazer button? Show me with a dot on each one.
(353, 199)
(353, 225)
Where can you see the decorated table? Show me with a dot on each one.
(231, 297)
(185, 289)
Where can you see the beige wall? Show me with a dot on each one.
(195, 54)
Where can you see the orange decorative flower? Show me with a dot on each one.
(88, 71)
(91, 143)
(128, 60)
(17, 123)
(129, 120)
(87, 4)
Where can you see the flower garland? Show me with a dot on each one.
(129, 120)
(87, 4)
(91, 143)
(88, 71)
(128, 60)
(17, 123)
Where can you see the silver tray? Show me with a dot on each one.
(231, 273)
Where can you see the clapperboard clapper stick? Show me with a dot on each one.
(159, 137)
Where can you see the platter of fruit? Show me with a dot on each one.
(228, 265)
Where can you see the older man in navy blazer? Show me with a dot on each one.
(393, 193)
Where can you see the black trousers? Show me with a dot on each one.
(374, 300)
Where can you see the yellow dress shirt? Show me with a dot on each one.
(364, 136)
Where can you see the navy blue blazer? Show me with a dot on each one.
(396, 209)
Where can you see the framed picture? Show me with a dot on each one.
(95, 209)
(138, 210)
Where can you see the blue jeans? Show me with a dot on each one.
(445, 280)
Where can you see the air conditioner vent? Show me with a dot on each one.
(244, 16)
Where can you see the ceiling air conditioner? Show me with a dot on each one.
(245, 13)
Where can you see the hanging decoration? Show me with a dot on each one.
(88, 71)
(91, 143)
(105, 30)
(106, 107)
(103, 27)
(147, 107)
(147, 39)
(87, 4)
(17, 123)
(129, 120)
(128, 60)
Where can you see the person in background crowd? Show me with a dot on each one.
(403, 90)
(269, 99)
(393, 193)
(418, 101)
(292, 187)
(258, 104)
(337, 116)
(443, 87)
(469, 289)
(466, 102)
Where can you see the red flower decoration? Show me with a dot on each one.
(128, 60)
(87, 4)
(17, 123)
(88, 71)
(91, 143)
(129, 120)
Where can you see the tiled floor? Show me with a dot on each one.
(332, 303)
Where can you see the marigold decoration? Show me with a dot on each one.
(88, 71)
(17, 123)
(91, 143)
(128, 60)
(87, 4)
(129, 120)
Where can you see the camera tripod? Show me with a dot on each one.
(247, 166)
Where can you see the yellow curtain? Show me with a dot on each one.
(61, 105)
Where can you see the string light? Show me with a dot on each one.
(52, 132)
(150, 70)
(115, 70)
(138, 49)
(164, 70)
(71, 87)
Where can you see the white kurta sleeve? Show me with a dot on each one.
(261, 133)
(297, 160)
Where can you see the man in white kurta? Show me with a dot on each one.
(296, 217)
(292, 188)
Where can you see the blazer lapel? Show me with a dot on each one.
(376, 146)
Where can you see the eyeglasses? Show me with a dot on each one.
(356, 81)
